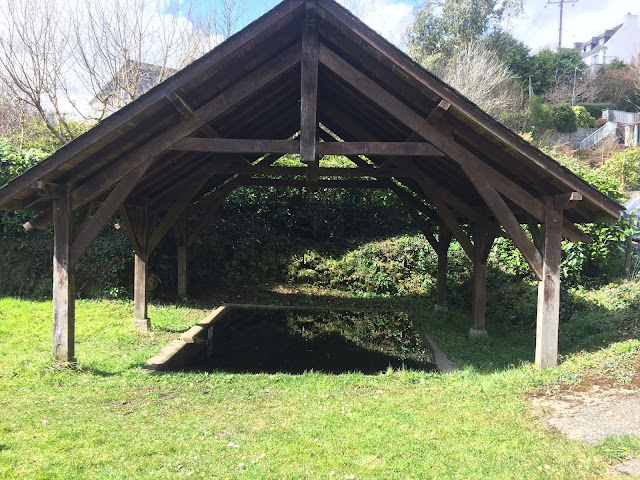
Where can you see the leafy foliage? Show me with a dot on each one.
(564, 118)
(551, 69)
(583, 118)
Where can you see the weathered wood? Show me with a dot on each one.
(51, 190)
(211, 110)
(126, 223)
(63, 280)
(108, 208)
(549, 290)
(140, 279)
(181, 240)
(567, 201)
(237, 145)
(406, 67)
(483, 239)
(513, 228)
(180, 203)
(424, 227)
(309, 89)
(466, 159)
(444, 241)
(400, 149)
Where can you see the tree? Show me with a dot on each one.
(551, 69)
(443, 26)
(616, 85)
(477, 72)
(514, 53)
(56, 56)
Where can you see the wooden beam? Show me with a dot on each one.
(309, 89)
(406, 67)
(513, 228)
(211, 110)
(235, 145)
(63, 280)
(400, 149)
(424, 227)
(567, 201)
(126, 223)
(483, 239)
(51, 190)
(107, 210)
(141, 270)
(548, 314)
(444, 241)
(467, 160)
(180, 203)
(182, 238)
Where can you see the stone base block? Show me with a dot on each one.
(440, 308)
(142, 324)
(477, 334)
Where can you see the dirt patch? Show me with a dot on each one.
(591, 415)
(599, 406)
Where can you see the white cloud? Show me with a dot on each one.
(538, 27)
(389, 18)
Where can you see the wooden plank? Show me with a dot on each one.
(156, 95)
(483, 236)
(108, 208)
(548, 314)
(406, 67)
(407, 202)
(179, 205)
(141, 262)
(467, 160)
(126, 223)
(237, 145)
(211, 110)
(513, 228)
(50, 190)
(400, 149)
(309, 89)
(63, 280)
(183, 250)
(444, 241)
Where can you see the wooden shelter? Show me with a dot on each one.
(307, 78)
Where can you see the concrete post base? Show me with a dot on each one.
(477, 333)
(142, 324)
(440, 308)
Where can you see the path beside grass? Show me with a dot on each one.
(108, 419)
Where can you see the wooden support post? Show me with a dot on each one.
(63, 280)
(548, 315)
(483, 240)
(140, 280)
(444, 240)
(182, 239)
(309, 97)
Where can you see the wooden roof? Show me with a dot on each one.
(192, 133)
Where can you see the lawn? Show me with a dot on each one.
(109, 419)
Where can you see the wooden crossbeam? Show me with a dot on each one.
(211, 110)
(400, 149)
(235, 145)
(128, 227)
(108, 208)
(195, 181)
(467, 160)
(51, 190)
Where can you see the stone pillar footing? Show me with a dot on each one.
(477, 333)
(142, 324)
(440, 308)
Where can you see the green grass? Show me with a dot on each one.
(108, 419)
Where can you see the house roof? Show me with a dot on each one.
(249, 87)
(607, 34)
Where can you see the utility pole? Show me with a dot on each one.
(560, 3)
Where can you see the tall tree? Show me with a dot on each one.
(442, 26)
(514, 53)
(551, 69)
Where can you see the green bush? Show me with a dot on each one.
(583, 117)
(595, 109)
(540, 113)
(564, 119)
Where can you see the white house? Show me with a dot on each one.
(621, 42)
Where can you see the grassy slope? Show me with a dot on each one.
(110, 420)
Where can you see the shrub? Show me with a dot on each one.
(541, 117)
(583, 117)
(600, 122)
(564, 119)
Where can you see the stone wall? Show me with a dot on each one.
(571, 139)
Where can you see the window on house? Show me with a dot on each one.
(601, 41)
